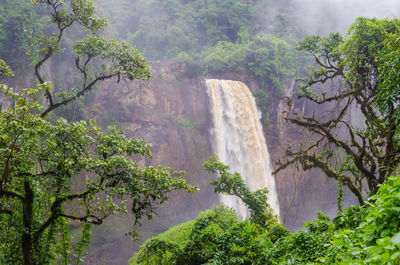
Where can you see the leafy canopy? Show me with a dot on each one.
(43, 164)
(366, 234)
(358, 75)
(96, 58)
(233, 184)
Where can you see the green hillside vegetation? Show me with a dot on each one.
(213, 36)
(357, 235)
(365, 64)
(15, 17)
(58, 175)
(359, 149)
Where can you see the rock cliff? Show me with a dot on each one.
(172, 112)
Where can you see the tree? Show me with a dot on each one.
(111, 58)
(41, 162)
(15, 16)
(232, 184)
(217, 236)
(5, 69)
(362, 70)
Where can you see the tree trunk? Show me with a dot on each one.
(27, 221)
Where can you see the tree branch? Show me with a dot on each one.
(11, 194)
(55, 211)
(6, 211)
(96, 221)
(79, 94)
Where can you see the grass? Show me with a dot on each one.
(177, 234)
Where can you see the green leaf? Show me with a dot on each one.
(396, 239)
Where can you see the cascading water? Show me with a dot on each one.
(238, 140)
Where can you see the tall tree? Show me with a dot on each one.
(111, 58)
(41, 162)
(356, 78)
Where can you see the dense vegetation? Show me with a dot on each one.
(15, 17)
(214, 36)
(58, 174)
(358, 143)
(357, 235)
(257, 38)
(359, 71)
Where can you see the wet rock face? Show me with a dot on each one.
(171, 111)
(301, 193)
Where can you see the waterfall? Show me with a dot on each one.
(238, 139)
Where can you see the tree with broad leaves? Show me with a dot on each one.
(232, 184)
(41, 163)
(356, 76)
(97, 59)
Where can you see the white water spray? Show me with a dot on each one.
(238, 140)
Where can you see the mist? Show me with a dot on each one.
(185, 42)
(324, 16)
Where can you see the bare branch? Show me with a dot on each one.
(11, 194)
(79, 94)
(89, 218)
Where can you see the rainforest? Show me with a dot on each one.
(199, 132)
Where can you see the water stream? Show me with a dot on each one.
(238, 139)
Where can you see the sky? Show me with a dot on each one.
(324, 16)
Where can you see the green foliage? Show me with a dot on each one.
(272, 60)
(350, 218)
(388, 96)
(83, 244)
(225, 56)
(203, 239)
(213, 36)
(126, 60)
(15, 17)
(163, 29)
(320, 48)
(96, 58)
(45, 160)
(216, 237)
(5, 69)
(366, 62)
(264, 104)
(218, 35)
(177, 235)
(358, 235)
(368, 234)
(357, 71)
(363, 47)
(63, 15)
(42, 161)
(302, 247)
(233, 184)
(374, 237)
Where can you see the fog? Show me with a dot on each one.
(324, 16)
(312, 16)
